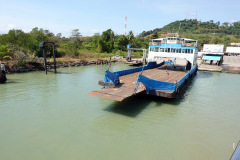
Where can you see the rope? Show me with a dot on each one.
(137, 81)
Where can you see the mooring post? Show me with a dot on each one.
(144, 56)
(129, 54)
(41, 45)
(54, 57)
(45, 61)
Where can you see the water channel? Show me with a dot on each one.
(53, 117)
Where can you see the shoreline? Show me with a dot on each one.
(39, 66)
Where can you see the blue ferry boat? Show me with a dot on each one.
(158, 78)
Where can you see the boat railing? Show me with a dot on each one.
(183, 44)
(189, 45)
(154, 43)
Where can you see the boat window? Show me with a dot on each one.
(173, 50)
(191, 50)
(156, 49)
(151, 49)
(161, 49)
(183, 50)
(166, 49)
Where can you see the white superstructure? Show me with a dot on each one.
(173, 47)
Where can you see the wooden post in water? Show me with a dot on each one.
(41, 45)
(54, 57)
(45, 61)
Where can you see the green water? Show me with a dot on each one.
(52, 117)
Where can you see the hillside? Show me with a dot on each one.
(194, 26)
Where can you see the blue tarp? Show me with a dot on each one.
(152, 84)
(149, 83)
(111, 77)
(114, 76)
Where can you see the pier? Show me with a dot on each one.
(231, 64)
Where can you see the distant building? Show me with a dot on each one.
(212, 53)
(233, 50)
(235, 44)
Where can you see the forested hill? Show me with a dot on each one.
(194, 26)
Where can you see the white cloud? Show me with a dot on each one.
(233, 20)
(11, 26)
(4, 28)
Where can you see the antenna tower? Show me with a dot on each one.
(126, 26)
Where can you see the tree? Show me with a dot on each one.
(225, 24)
(130, 36)
(36, 36)
(122, 41)
(75, 33)
(3, 52)
(16, 37)
(155, 35)
(96, 37)
(76, 41)
(106, 41)
(59, 35)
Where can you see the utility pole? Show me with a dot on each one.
(126, 26)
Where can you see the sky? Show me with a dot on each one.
(96, 16)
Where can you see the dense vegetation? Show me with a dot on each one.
(19, 46)
(205, 32)
(194, 26)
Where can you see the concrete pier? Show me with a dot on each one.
(231, 64)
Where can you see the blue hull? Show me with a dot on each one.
(153, 87)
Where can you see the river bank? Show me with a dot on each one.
(11, 67)
(230, 64)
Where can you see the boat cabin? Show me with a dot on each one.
(173, 47)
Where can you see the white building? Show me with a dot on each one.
(212, 52)
(233, 50)
(211, 49)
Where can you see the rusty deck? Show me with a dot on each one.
(127, 85)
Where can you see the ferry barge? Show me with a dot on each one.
(165, 79)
